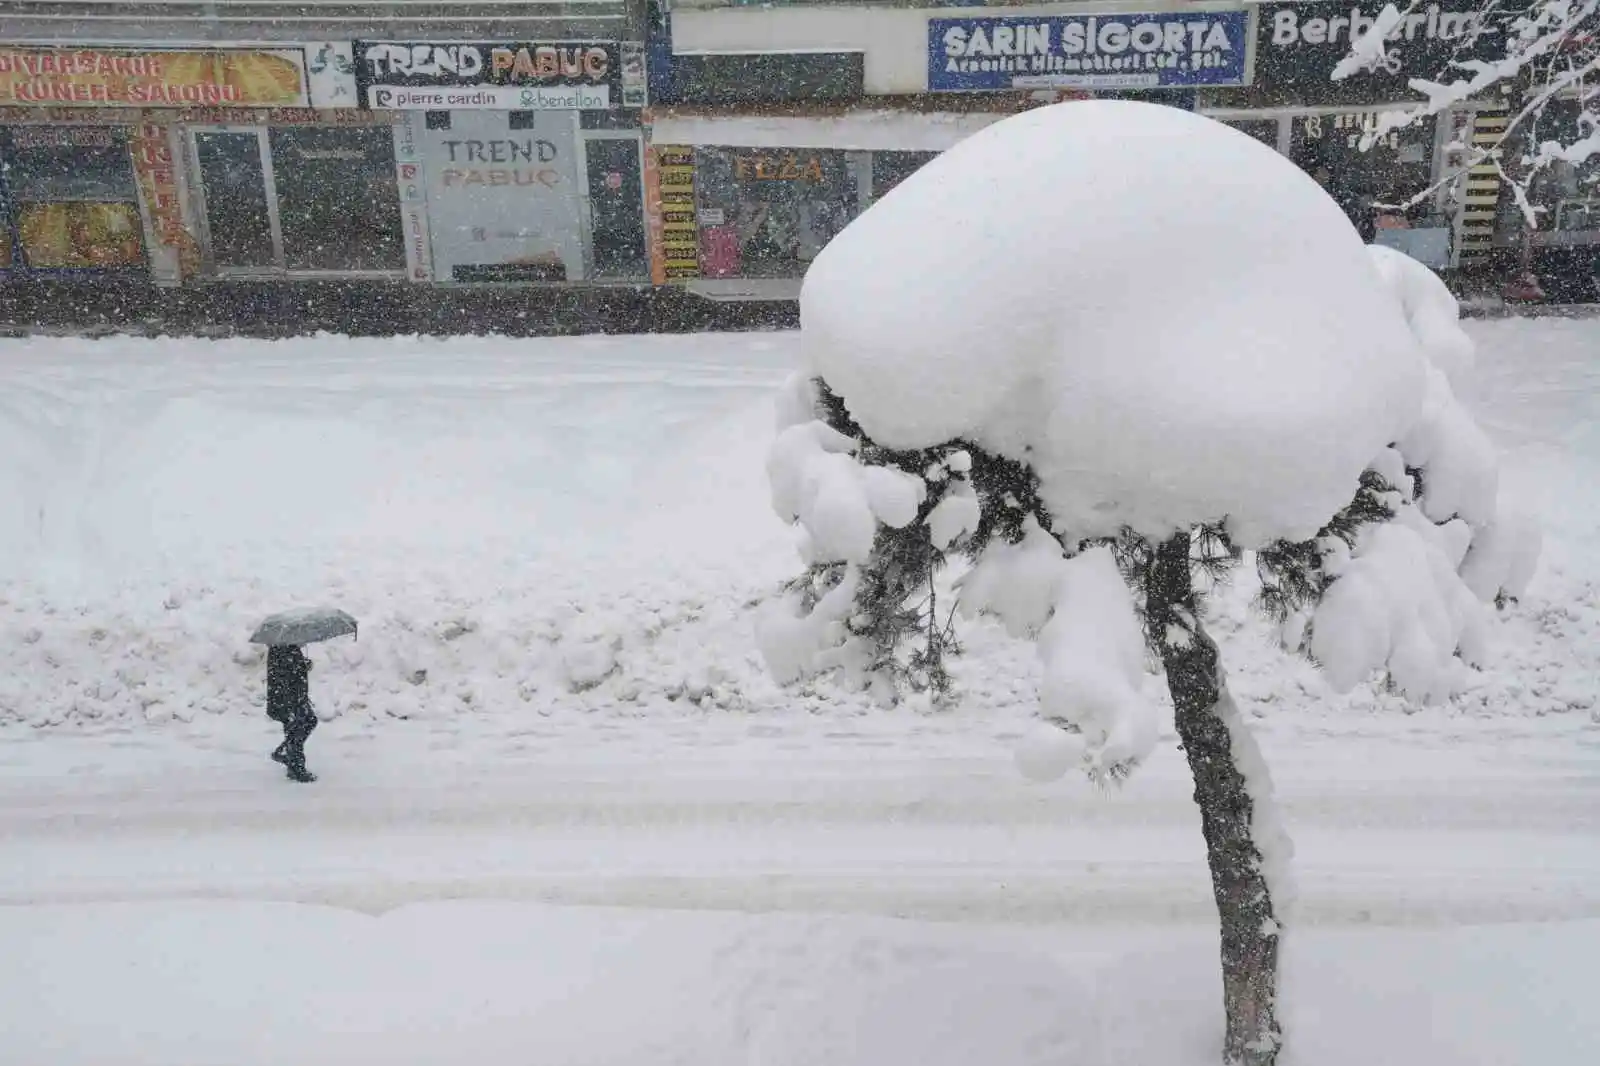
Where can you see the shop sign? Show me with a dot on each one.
(1298, 46)
(504, 204)
(786, 166)
(1133, 51)
(156, 174)
(411, 182)
(62, 137)
(117, 77)
(1359, 131)
(675, 237)
(522, 76)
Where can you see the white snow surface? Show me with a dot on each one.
(775, 876)
(1080, 282)
(258, 984)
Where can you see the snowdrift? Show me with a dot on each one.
(610, 562)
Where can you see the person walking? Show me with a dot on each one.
(288, 676)
(289, 702)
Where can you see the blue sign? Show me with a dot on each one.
(1144, 51)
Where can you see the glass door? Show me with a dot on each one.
(616, 206)
(237, 191)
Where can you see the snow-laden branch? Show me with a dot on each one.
(1551, 52)
(1408, 597)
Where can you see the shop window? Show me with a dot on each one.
(233, 180)
(767, 212)
(436, 120)
(1568, 193)
(338, 203)
(891, 168)
(74, 199)
(1367, 183)
(524, 120)
(1264, 130)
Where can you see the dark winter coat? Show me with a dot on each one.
(288, 684)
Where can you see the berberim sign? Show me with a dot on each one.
(1135, 51)
(511, 76)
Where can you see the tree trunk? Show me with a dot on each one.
(1225, 764)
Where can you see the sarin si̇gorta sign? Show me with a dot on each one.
(511, 76)
(1134, 51)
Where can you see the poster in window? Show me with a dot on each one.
(504, 205)
(77, 236)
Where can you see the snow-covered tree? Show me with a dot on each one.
(1544, 55)
(1086, 355)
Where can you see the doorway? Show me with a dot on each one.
(616, 206)
(299, 201)
(236, 190)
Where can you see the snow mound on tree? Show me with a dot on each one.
(1431, 310)
(1132, 298)
(1409, 599)
(1091, 650)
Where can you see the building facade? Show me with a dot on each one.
(775, 124)
(712, 145)
(192, 143)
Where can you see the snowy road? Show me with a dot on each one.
(1420, 832)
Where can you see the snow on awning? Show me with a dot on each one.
(905, 131)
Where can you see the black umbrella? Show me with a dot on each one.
(306, 626)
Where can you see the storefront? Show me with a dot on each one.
(290, 194)
(1564, 245)
(741, 205)
(527, 155)
(746, 192)
(1404, 188)
(165, 163)
(766, 213)
(1367, 180)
